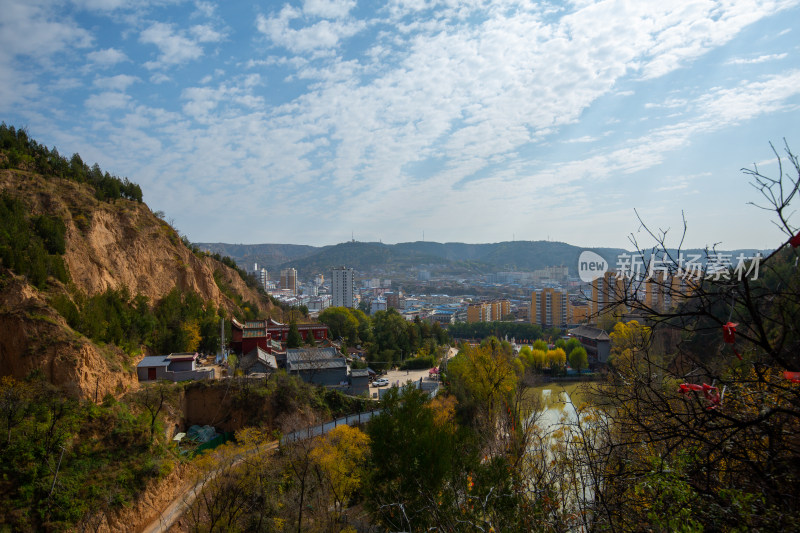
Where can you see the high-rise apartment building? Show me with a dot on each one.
(263, 277)
(343, 281)
(605, 291)
(289, 279)
(488, 311)
(549, 307)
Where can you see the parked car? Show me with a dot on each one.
(380, 382)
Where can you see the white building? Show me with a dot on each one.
(263, 277)
(378, 304)
(342, 285)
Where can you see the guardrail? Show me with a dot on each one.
(321, 429)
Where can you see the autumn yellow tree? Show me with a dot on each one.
(488, 373)
(341, 455)
(556, 359)
(191, 335)
(629, 341)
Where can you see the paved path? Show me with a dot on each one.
(167, 518)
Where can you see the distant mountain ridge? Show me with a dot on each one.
(269, 256)
(452, 258)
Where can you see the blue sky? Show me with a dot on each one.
(472, 121)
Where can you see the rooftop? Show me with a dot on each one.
(590, 333)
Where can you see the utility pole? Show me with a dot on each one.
(55, 477)
(222, 340)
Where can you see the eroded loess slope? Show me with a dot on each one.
(109, 244)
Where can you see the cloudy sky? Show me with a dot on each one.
(474, 121)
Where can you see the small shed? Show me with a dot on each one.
(152, 368)
(359, 381)
(172, 367)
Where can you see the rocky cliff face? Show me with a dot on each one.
(111, 244)
(108, 245)
(34, 337)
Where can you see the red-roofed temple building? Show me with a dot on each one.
(268, 334)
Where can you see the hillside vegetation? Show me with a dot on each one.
(91, 279)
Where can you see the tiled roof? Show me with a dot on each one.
(305, 354)
(318, 364)
(590, 333)
(153, 360)
(183, 356)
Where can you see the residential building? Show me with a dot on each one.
(488, 311)
(579, 312)
(262, 275)
(342, 286)
(605, 291)
(549, 307)
(392, 299)
(289, 279)
(377, 304)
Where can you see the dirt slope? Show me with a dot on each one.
(108, 245)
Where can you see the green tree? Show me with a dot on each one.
(293, 339)
(341, 323)
(578, 359)
(572, 343)
(540, 345)
(154, 398)
(390, 331)
(413, 457)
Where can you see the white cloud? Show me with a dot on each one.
(205, 34)
(116, 83)
(479, 102)
(324, 34)
(760, 59)
(207, 9)
(101, 5)
(159, 78)
(328, 8)
(670, 103)
(106, 101)
(177, 47)
(584, 139)
(106, 57)
(33, 30)
(202, 102)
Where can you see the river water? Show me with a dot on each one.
(560, 431)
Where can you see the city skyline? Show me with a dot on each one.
(313, 122)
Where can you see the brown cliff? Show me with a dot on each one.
(108, 245)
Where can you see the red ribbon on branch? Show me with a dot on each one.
(729, 336)
(794, 377)
(795, 241)
(711, 393)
